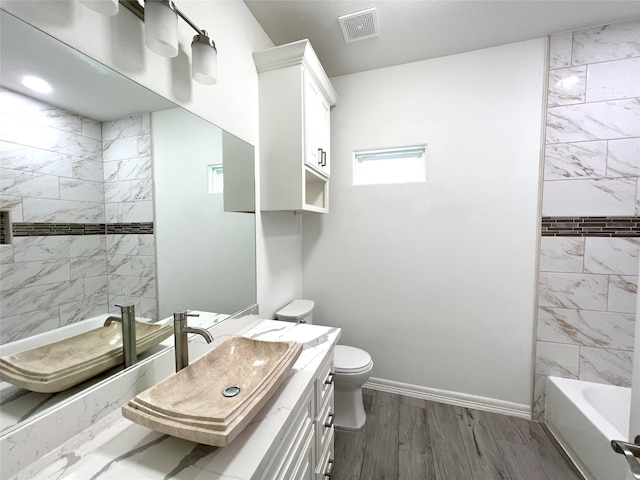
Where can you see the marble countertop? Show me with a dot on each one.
(115, 448)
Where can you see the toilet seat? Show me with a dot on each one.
(351, 360)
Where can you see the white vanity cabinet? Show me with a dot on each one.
(294, 458)
(324, 428)
(295, 154)
(306, 451)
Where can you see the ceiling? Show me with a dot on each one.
(413, 30)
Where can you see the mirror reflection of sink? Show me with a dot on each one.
(216, 396)
(61, 364)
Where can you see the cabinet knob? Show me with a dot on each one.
(329, 471)
(324, 158)
(329, 379)
(329, 423)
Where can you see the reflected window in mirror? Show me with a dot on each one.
(216, 180)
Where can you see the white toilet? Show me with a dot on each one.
(352, 367)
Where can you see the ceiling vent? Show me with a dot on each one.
(359, 25)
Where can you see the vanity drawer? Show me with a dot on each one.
(324, 422)
(324, 383)
(295, 454)
(324, 470)
(299, 433)
(303, 468)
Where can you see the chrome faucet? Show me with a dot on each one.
(180, 330)
(128, 320)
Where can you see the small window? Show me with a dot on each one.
(216, 182)
(390, 165)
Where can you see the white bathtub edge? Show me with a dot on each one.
(570, 453)
(582, 431)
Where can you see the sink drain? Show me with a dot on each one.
(231, 391)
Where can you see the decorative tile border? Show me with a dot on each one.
(129, 228)
(52, 229)
(5, 233)
(590, 227)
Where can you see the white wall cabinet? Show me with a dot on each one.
(306, 451)
(295, 154)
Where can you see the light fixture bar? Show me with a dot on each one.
(134, 7)
(186, 19)
(138, 10)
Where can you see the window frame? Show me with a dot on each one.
(389, 153)
(215, 178)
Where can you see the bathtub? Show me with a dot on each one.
(584, 417)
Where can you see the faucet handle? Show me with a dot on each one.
(182, 316)
(126, 308)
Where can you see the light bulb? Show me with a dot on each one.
(204, 59)
(161, 27)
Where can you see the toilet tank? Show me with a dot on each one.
(300, 311)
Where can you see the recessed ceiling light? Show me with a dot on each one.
(36, 84)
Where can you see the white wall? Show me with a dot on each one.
(437, 281)
(279, 260)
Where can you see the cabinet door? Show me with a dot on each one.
(324, 134)
(316, 134)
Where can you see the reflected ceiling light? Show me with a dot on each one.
(568, 81)
(161, 27)
(105, 7)
(36, 84)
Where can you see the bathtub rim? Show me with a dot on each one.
(611, 431)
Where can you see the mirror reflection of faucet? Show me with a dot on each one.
(180, 330)
(128, 320)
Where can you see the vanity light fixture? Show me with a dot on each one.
(161, 35)
(204, 59)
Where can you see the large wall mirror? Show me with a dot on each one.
(110, 194)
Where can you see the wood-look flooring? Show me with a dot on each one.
(406, 438)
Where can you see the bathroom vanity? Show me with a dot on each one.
(290, 438)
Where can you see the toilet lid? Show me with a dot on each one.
(351, 359)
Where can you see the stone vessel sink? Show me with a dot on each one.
(214, 398)
(64, 363)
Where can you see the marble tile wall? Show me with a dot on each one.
(129, 198)
(51, 171)
(588, 279)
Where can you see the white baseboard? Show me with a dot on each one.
(452, 398)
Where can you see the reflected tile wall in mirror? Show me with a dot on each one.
(52, 172)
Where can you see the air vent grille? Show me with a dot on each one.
(359, 25)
